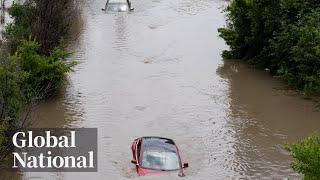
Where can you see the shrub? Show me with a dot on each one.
(306, 154)
(11, 97)
(32, 69)
(45, 74)
(26, 77)
(48, 21)
(281, 35)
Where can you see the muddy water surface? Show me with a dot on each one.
(158, 71)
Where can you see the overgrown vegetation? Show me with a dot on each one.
(46, 20)
(32, 59)
(281, 35)
(284, 37)
(11, 97)
(306, 154)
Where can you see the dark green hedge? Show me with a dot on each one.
(281, 35)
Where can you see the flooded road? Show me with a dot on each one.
(158, 71)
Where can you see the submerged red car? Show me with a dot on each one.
(156, 155)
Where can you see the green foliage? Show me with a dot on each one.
(32, 69)
(48, 21)
(45, 74)
(20, 29)
(281, 35)
(11, 96)
(306, 154)
(25, 77)
(250, 25)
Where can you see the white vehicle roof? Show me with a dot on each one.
(117, 1)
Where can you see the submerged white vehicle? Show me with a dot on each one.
(118, 6)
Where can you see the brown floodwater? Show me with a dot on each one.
(158, 71)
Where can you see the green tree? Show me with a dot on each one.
(281, 35)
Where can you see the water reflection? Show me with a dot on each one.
(121, 33)
(262, 119)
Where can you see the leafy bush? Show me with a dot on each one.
(48, 21)
(11, 96)
(20, 29)
(306, 154)
(26, 77)
(281, 35)
(45, 74)
(31, 69)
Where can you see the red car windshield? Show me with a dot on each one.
(159, 154)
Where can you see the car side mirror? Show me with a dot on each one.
(134, 162)
(131, 9)
(103, 9)
(185, 165)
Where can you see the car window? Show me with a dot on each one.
(158, 160)
(138, 150)
(159, 154)
(117, 7)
